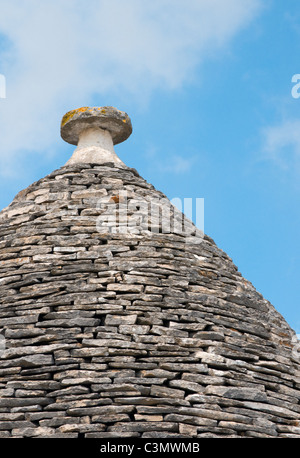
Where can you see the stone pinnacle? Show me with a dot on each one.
(95, 131)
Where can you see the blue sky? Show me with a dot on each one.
(207, 84)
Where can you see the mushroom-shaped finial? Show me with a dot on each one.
(95, 130)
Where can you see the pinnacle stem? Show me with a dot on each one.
(95, 145)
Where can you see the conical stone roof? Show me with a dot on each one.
(134, 333)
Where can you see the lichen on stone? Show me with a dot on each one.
(69, 115)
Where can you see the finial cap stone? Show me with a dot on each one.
(76, 121)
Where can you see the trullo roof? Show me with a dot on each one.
(116, 330)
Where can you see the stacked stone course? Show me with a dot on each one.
(131, 335)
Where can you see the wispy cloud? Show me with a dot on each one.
(168, 162)
(57, 55)
(281, 145)
(176, 164)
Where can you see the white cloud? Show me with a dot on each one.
(170, 163)
(59, 53)
(176, 164)
(281, 144)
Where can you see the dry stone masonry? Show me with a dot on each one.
(111, 334)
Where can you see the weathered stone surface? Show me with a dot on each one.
(144, 426)
(28, 350)
(162, 391)
(113, 320)
(237, 393)
(158, 373)
(186, 385)
(188, 430)
(185, 367)
(32, 432)
(4, 425)
(191, 419)
(31, 361)
(96, 411)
